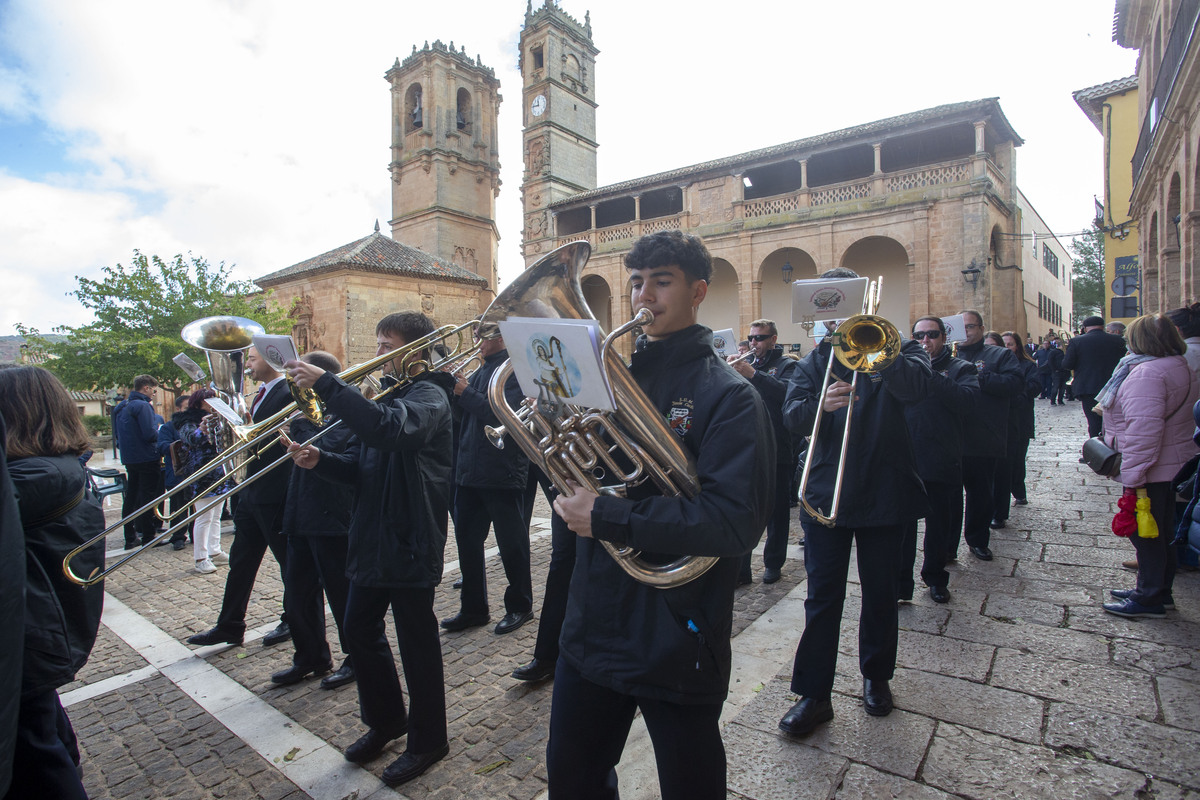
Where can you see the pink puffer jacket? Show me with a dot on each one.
(1150, 423)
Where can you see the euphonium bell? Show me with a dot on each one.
(866, 343)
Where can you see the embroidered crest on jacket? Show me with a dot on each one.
(679, 419)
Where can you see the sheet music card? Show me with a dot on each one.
(276, 349)
(956, 328)
(725, 343)
(558, 360)
(225, 411)
(827, 298)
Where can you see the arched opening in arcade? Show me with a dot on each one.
(598, 295)
(1171, 271)
(880, 257)
(777, 272)
(720, 307)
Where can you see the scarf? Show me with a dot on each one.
(1108, 394)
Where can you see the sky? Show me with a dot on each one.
(257, 132)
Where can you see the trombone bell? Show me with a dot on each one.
(866, 343)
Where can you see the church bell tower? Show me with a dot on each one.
(558, 91)
(445, 156)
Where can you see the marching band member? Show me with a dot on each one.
(625, 645)
(397, 544)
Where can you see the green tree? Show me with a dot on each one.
(1087, 280)
(139, 311)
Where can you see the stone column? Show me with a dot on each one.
(877, 182)
(978, 165)
(592, 207)
(804, 183)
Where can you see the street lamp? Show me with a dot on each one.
(787, 271)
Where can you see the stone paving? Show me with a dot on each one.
(1020, 687)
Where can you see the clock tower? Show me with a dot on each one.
(558, 91)
(445, 157)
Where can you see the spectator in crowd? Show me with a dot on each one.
(1092, 356)
(1148, 418)
(134, 428)
(168, 433)
(43, 441)
(1062, 390)
(201, 449)
(1009, 481)
(1115, 328)
(1043, 359)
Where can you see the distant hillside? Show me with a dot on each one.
(10, 347)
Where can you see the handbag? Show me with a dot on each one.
(180, 459)
(1102, 459)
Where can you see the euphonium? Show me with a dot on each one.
(627, 447)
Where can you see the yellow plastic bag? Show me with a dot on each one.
(1147, 527)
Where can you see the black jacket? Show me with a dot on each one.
(315, 506)
(12, 608)
(1000, 379)
(936, 422)
(61, 618)
(1020, 408)
(674, 644)
(272, 487)
(134, 429)
(480, 463)
(1093, 356)
(771, 380)
(880, 484)
(401, 475)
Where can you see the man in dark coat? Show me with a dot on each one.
(625, 645)
(985, 435)
(134, 428)
(1093, 356)
(1043, 356)
(768, 372)
(880, 494)
(168, 434)
(397, 543)
(936, 427)
(489, 490)
(257, 520)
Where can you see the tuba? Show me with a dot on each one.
(607, 452)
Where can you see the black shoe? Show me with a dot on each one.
(1125, 594)
(457, 584)
(806, 715)
(344, 675)
(281, 634)
(178, 545)
(951, 558)
(133, 545)
(534, 671)
(877, 697)
(940, 594)
(996, 524)
(296, 674)
(513, 620)
(1082, 460)
(216, 636)
(982, 553)
(461, 621)
(744, 580)
(771, 575)
(150, 540)
(410, 765)
(370, 745)
(1021, 502)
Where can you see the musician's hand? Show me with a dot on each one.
(576, 510)
(741, 366)
(305, 456)
(837, 396)
(460, 383)
(303, 374)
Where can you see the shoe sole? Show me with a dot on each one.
(1166, 606)
(1136, 614)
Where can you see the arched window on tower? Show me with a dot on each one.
(414, 112)
(462, 116)
(571, 72)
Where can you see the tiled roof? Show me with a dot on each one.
(376, 253)
(971, 109)
(82, 397)
(1093, 97)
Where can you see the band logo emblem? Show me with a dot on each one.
(827, 298)
(719, 342)
(679, 419)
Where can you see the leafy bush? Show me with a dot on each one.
(97, 424)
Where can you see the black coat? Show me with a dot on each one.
(1093, 356)
(61, 618)
(401, 475)
(12, 609)
(880, 484)
(481, 464)
(674, 644)
(1000, 379)
(936, 422)
(771, 377)
(1020, 408)
(271, 489)
(316, 506)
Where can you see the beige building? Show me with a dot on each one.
(927, 200)
(1164, 200)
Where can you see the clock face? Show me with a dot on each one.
(538, 107)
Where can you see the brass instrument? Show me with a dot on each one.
(863, 343)
(628, 446)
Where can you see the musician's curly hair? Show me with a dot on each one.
(409, 325)
(665, 248)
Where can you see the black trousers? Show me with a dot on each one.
(978, 479)
(1095, 421)
(775, 548)
(1008, 481)
(177, 502)
(475, 510)
(141, 481)
(827, 559)
(1047, 381)
(558, 574)
(257, 526)
(1060, 387)
(590, 723)
(46, 753)
(942, 497)
(315, 563)
(1156, 558)
(380, 698)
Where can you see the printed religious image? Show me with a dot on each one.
(558, 361)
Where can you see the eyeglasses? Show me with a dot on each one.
(919, 335)
(759, 337)
(971, 327)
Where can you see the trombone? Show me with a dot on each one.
(411, 365)
(865, 342)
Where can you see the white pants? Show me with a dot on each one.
(206, 534)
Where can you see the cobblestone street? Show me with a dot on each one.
(1020, 687)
